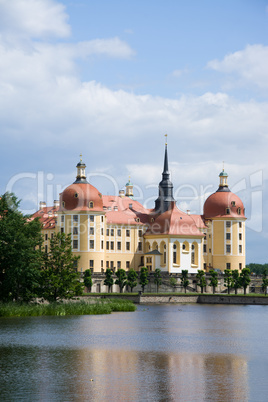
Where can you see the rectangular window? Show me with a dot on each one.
(75, 244)
(228, 248)
(140, 246)
(45, 249)
(52, 235)
(107, 232)
(62, 218)
(91, 218)
(240, 236)
(209, 250)
(75, 218)
(118, 232)
(228, 236)
(174, 257)
(62, 230)
(228, 265)
(204, 248)
(91, 230)
(127, 264)
(112, 264)
(45, 236)
(107, 245)
(205, 238)
(101, 231)
(228, 211)
(119, 245)
(228, 224)
(102, 244)
(205, 266)
(240, 266)
(101, 263)
(240, 249)
(107, 264)
(240, 225)
(112, 245)
(112, 232)
(118, 264)
(91, 244)
(102, 219)
(127, 245)
(127, 232)
(91, 263)
(75, 230)
(140, 233)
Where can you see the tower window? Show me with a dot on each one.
(75, 230)
(127, 245)
(119, 245)
(91, 244)
(91, 230)
(127, 232)
(240, 249)
(91, 204)
(140, 233)
(204, 248)
(240, 225)
(91, 263)
(118, 232)
(239, 211)
(107, 232)
(140, 246)
(62, 218)
(91, 218)
(75, 218)
(228, 224)
(112, 232)
(228, 248)
(112, 245)
(75, 244)
(228, 236)
(240, 236)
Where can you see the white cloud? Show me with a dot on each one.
(249, 65)
(33, 18)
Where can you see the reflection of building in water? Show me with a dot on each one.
(118, 232)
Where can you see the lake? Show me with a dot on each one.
(182, 352)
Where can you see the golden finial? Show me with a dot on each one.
(80, 157)
(166, 139)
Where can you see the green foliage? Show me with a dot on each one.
(201, 280)
(87, 279)
(184, 279)
(236, 282)
(264, 282)
(59, 278)
(108, 281)
(62, 309)
(20, 255)
(132, 277)
(144, 277)
(228, 279)
(258, 269)
(121, 279)
(157, 278)
(173, 282)
(213, 279)
(245, 278)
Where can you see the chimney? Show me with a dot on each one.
(42, 204)
(121, 193)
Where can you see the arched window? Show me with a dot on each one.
(155, 246)
(192, 255)
(91, 204)
(174, 254)
(185, 247)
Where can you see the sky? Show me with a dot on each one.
(109, 79)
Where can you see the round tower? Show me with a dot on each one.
(224, 214)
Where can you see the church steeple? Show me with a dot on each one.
(81, 172)
(165, 200)
(223, 181)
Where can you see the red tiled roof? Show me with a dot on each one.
(216, 204)
(124, 211)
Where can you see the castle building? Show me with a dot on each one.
(116, 231)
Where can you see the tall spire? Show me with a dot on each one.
(165, 200)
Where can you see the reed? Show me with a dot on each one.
(106, 306)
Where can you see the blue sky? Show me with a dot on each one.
(110, 78)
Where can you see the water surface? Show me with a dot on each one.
(158, 353)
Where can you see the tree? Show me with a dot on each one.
(59, 277)
(173, 282)
(144, 277)
(20, 255)
(184, 279)
(228, 279)
(121, 279)
(201, 279)
(132, 279)
(213, 279)
(264, 282)
(108, 281)
(236, 280)
(157, 278)
(88, 279)
(245, 279)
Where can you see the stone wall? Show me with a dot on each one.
(218, 299)
(167, 299)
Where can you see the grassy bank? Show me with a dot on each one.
(71, 308)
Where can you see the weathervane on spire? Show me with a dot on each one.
(223, 166)
(166, 139)
(80, 157)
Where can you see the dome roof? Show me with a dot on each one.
(78, 196)
(223, 204)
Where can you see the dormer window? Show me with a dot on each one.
(239, 211)
(228, 211)
(233, 203)
(63, 204)
(91, 204)
(76, 195)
